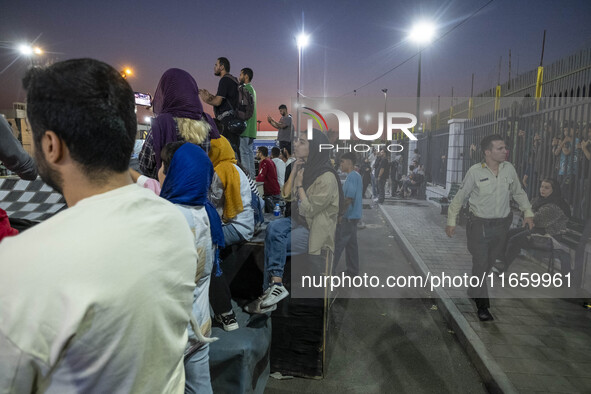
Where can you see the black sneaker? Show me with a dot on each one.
(228, 321)
(484, 315)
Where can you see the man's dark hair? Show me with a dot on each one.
(90, 106)
(275, 152)
(168, 152)
(224, 62)
(487, 142)
(349, 156)
(287, 148)
(248, 72)
(283, 106)
(264, 150)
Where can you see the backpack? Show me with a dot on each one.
(245, 103)
(245, 100)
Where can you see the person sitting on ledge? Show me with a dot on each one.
(551, 213)
(317, 197)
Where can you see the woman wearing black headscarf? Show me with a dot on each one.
(317, 196)
(551, 213)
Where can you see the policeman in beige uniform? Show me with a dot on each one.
(489, 185)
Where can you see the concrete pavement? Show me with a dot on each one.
(534, 344)
(388, 345)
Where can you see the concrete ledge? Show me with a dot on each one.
(435, 192)
(494, 378)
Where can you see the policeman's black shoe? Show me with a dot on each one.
(484, 315)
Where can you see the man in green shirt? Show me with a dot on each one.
(489, 186)
(247, 137)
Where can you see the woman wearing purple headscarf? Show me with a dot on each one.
(179, 117)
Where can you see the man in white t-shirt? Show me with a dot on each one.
(96, 299)
(279, 164)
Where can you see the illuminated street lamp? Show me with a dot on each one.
(301, 41)
(422, 33)
(25, 49)
(126, 72)
(29, 51)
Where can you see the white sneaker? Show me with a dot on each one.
(274, 294)
(255, 307)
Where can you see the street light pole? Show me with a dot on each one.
(419, 90)
(302, 41)
(385, 91)
(422, 33)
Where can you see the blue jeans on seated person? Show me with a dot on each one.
(197, 379)
(231, 235)
(282, 241)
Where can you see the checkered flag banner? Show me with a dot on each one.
(32, 200)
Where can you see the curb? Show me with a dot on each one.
(495, 380)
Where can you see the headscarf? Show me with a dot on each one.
(318, 163)
(554, 198)
(187, 183)
(223, 158)
(177, 96)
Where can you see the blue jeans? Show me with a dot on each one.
(374, 186)
(282, 241)
(197, 379)
(231, 235)
(247, 155)
(347, 240)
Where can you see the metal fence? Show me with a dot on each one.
(552, 140)
(433, 148)
(566, 78)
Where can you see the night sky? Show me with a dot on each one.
(352, 42)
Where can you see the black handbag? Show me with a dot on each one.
(233, 124)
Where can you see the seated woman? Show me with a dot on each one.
(316, 193)
(231, 194)
(179, 117)
(551, 213)
(185, 177)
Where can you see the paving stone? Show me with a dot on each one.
(582, 385)
(513, 339)
(553, 384)
(516, 351)
(566, 354)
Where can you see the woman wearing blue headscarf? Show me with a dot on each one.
(185, 175)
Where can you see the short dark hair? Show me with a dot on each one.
(224, 62)
(248, 72)
(275, 151)
(283, 106)
(167, 153)
(90, 106)
(349, 156)
(487, 142)
(264, 150)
